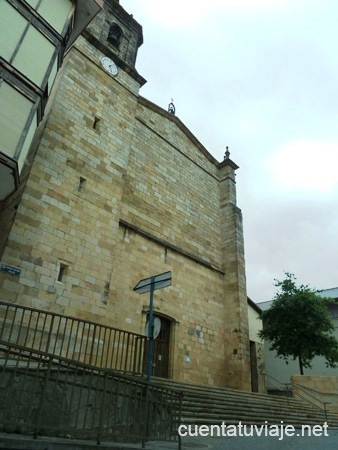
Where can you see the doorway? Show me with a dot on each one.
(254, 369)
(160, 363)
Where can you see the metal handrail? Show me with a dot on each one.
(315, 391)
(310, 394)
(276, 380)
(303, 397)
(277, 383)
(50, 395)
(68, 337)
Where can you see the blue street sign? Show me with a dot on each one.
(10, 269)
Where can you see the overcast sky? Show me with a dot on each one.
(259, 76)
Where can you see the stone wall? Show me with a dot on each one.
(79, 403)
(120, 190)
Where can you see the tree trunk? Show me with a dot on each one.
(300, 365)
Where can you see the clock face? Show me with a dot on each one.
(109, 65)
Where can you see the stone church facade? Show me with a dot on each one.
(119, 190)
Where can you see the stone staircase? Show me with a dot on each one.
(210, 405)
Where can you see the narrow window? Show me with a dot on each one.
(81, 184)
(96, 123)
(105, 293)
(62, 272)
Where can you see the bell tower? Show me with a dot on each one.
(117, 36)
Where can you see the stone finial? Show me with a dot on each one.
(227, 153)
(171, 107)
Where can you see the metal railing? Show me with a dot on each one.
(71, 338)
(273, 384)
(44, 394)
(310, 396)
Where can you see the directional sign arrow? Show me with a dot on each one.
(156, 282)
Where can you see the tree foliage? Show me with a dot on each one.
(298, 324)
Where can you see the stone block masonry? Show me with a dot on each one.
(120, 190)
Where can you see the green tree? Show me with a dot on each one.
(298, 324)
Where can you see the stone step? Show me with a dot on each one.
(224, 400)
(246, 408)
(201, 409)
(213, 405)
(235, 415)
(253, 415)
(211, 391)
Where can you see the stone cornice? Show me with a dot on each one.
(167, 245)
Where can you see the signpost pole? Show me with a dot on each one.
(151, 330)
(150, 285)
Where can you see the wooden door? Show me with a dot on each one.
(160, 364)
